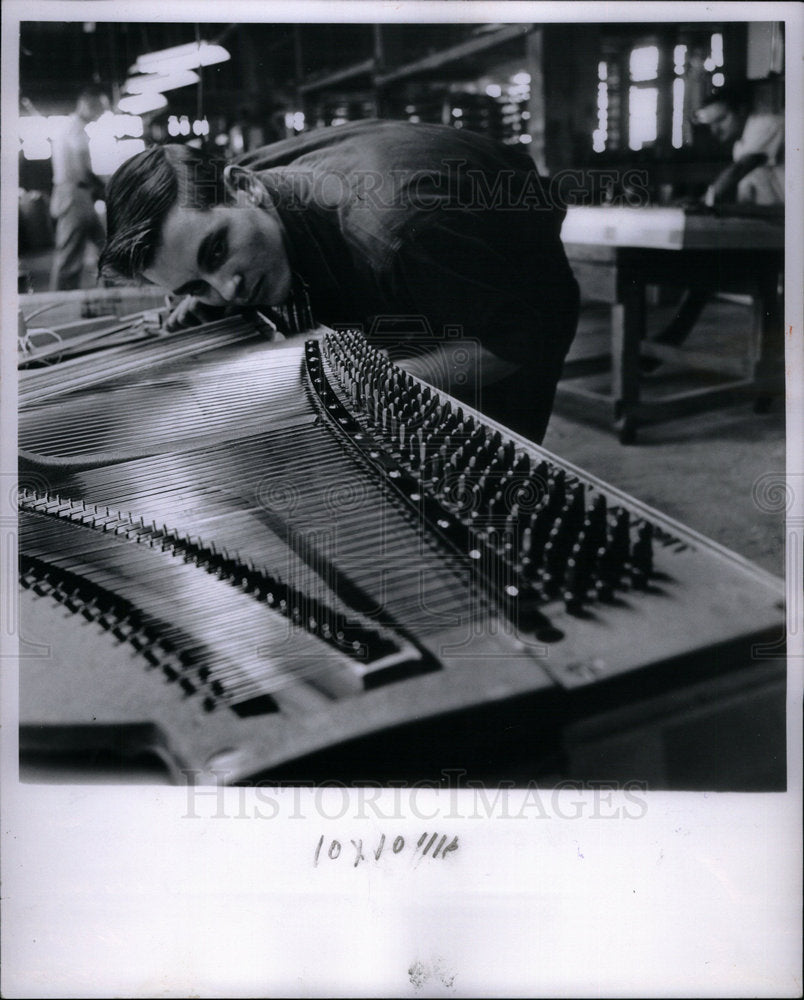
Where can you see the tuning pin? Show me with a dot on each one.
(540, 522)
(448, 422)
(605, 573)
(413, 449)
(554, 559)
(576, 581)
(574, 587)
(556, 490)
(642, 557)
(577, 505)
(548, 581)
(620, 545)
(597, 519)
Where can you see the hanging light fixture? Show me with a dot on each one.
(150, 83)
(139, 104)
(167, 69)
(181, 57)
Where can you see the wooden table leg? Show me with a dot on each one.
(627, 329)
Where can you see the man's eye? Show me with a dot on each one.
(217, 253)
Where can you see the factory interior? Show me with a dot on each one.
(516, 83)
(606, 111)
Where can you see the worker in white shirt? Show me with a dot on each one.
(756, 176)
(75, 190)
(757, 173)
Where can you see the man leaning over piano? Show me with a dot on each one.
(396, 227)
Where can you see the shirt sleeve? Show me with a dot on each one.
(762, 134)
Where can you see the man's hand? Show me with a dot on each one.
(192, 312)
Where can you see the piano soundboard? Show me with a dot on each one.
(262, 561)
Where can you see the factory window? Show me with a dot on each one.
(496, 104)
(643, 95)
(601, 133)
(607, 134)
(714, 64)
(648, 89)
(643, 107)
(644, 63)
(715, 59)
(679, 135)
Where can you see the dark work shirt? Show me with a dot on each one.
(388, 222)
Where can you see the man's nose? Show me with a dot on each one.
(228, 288)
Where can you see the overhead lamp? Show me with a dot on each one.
(180, 57)
(139, 104)
(149, 83)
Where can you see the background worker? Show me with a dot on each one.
(76, 188)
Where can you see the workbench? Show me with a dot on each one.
(616, 252)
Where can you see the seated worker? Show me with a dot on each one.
(371, 224)
(755, 177)
(757, 174)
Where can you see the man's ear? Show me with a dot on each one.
(242, 182)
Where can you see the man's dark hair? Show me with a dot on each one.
(142, 192)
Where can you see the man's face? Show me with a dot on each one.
(726, 125)
(227, 254)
